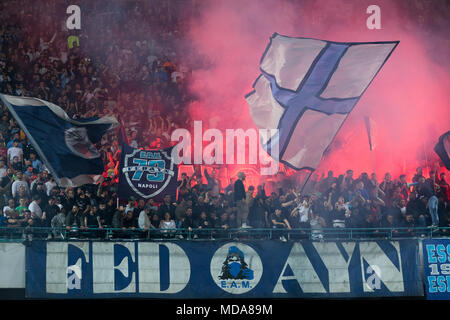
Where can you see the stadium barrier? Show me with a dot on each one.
(163, 266)
(326, 234)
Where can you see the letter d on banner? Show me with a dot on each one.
(154, 260)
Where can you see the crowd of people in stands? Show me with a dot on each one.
(392, 208)
(129, 67)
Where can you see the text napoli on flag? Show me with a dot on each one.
(65, 145)
(306, 90)
(147, 173)
(442, 148)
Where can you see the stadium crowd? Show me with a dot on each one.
(137, 79)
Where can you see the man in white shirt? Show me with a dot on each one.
(15, 151)
(9, 209)
(144, 220)
(18, 183)
(35, 209)
(49, 185)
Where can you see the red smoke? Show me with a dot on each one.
(408, 99)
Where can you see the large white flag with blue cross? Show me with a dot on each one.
(306, 90)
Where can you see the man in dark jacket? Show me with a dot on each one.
(410, 224)
(239, 199)
(260, 214)
(418, 208)
(74, 221)
(166, 206)
(424, 190)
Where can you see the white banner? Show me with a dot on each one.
(12, 265)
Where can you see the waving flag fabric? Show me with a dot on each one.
(306, 89)
(65, 145)
(442, 148)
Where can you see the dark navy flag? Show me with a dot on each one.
(65, 145)
(442, 148)
(306, 90)
(147, 173)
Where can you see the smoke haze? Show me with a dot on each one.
(408, 99)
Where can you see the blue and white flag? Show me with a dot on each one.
(65, 145)
(306, 90)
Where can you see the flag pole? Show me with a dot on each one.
(373, 161)
(369, 135)
(426, 157)
(306, 182)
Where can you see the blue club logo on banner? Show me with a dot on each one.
(236, 268)
(147, 173)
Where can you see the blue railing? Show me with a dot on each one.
(324, 234)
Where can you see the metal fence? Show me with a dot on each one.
(8, 234)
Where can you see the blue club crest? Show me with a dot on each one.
(148, 173)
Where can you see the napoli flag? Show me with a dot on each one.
(306, 90)
(442, 148)
(65, 145)
(147, 174)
